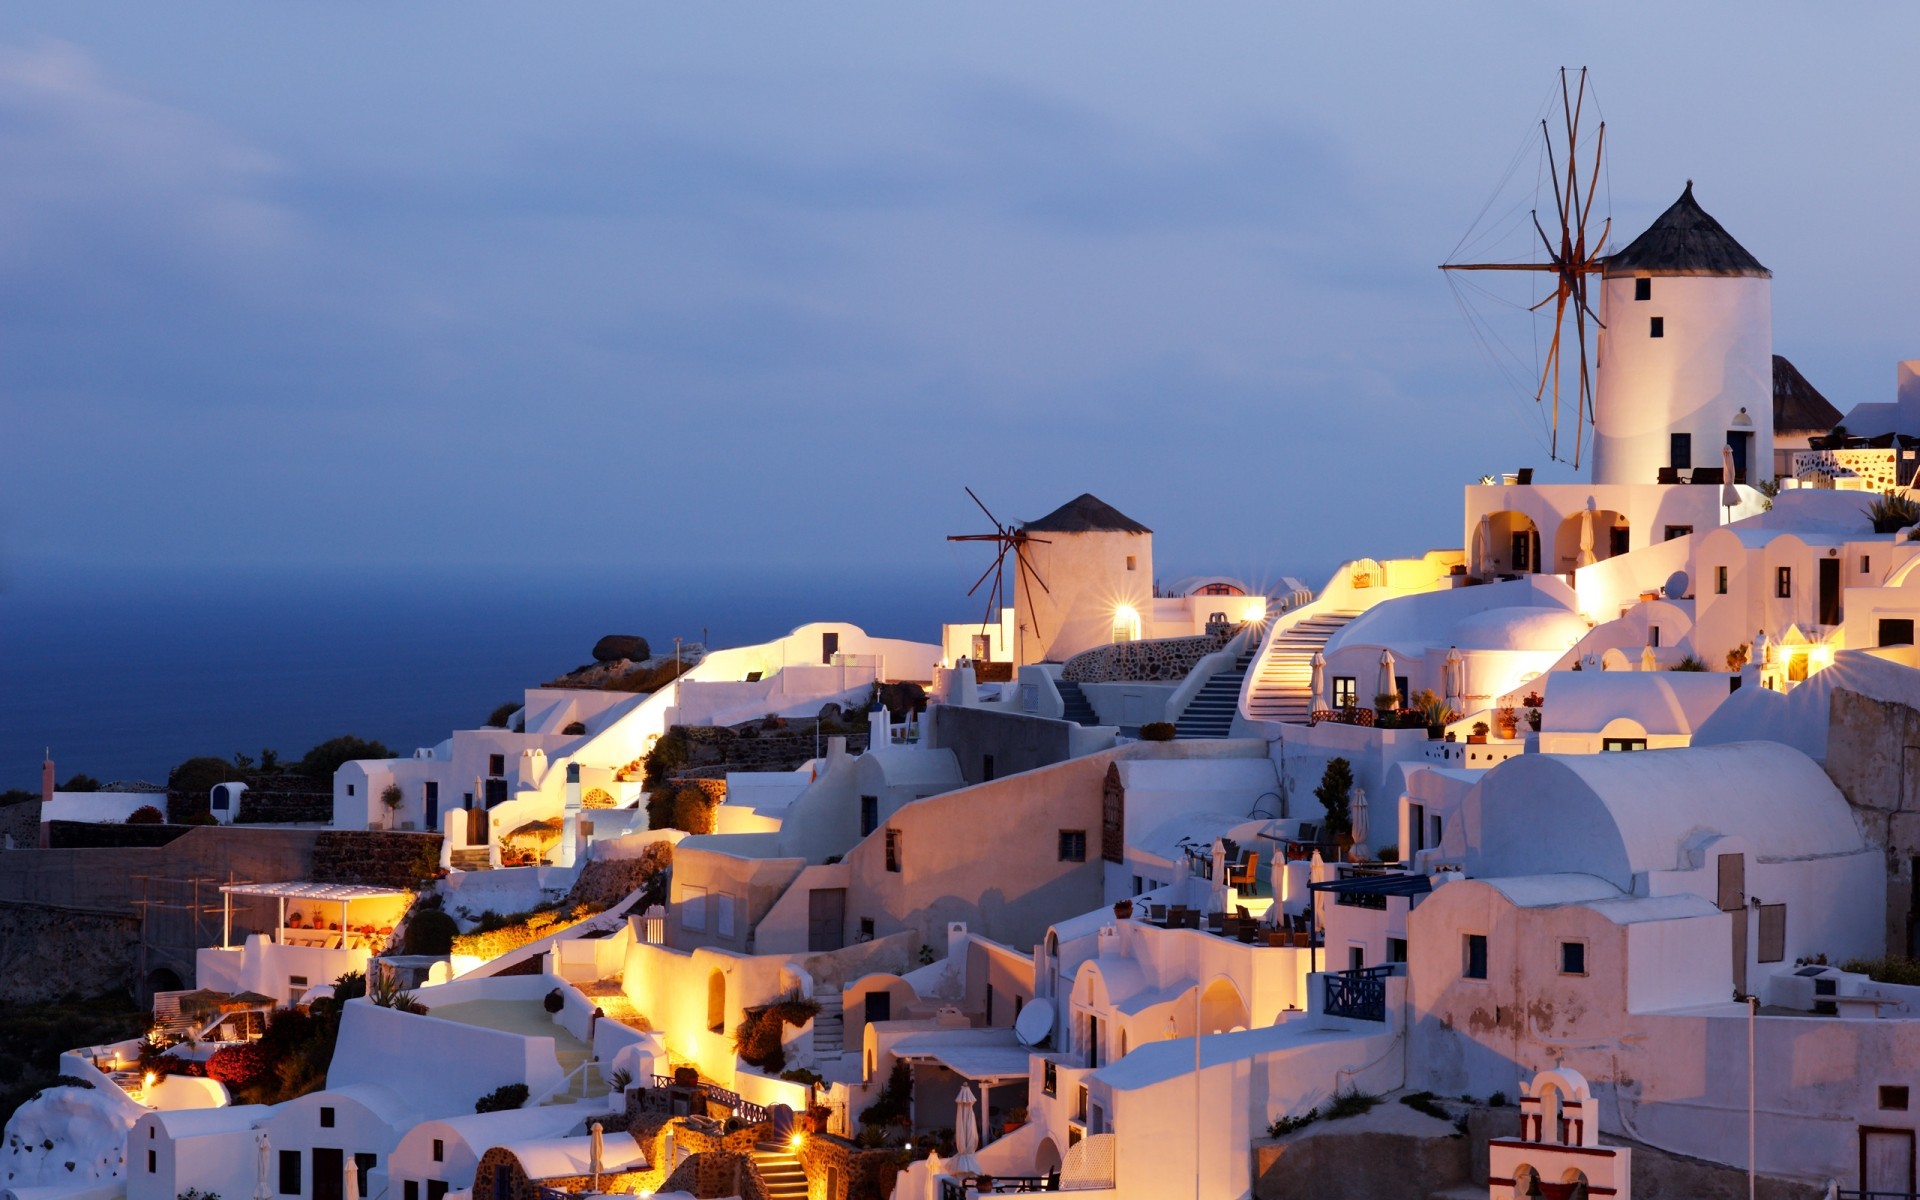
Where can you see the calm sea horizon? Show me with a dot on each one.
(125, 675)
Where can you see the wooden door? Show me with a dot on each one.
(826, 919)
(329, 1177)
(1886, 1160)
(1829, 591)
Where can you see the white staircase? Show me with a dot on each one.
(829, 1027)
(780, 1171)
(1280, 686)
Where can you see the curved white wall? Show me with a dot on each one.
(1715, 357)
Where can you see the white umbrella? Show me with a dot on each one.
(1456, 674)
(1586, 558)
(599, 1154)
(1484, 565)
(1387, 683)
(966, 1134)
(1729, 494)
(1318, 684)
(262, 1189)
(351, 1171)
(1647, 661)
(1357, 810)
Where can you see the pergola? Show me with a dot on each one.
(303, 892)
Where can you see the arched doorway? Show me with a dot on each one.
(1508, 543)
(717, 1001)
(1221, 1008)
(1046, 1159)
(164, 979)
(1610, 537)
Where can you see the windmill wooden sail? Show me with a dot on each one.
(1571, 257)
(1009, 538)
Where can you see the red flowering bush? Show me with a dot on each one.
(237, 1065)
(146, 814)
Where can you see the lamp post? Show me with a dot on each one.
(1753, 1176)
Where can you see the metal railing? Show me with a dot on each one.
(1361, 994)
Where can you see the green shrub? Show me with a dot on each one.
(1335, 794)
(431, 932)
(1891, 513)
(1286, 1125)
(1157, 731)
(81, 783)
(895, 1098)
(1423, 1102)
(1903, 971)
(1497, 1100)
(326, 758)
(574, 729)
(1351, 1103)
(1688, 663)
(503, 1098)
(146, 814)
(498, 718)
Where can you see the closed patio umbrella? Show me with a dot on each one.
(1729, 494)
(1456, 673)
(262, 1187)
(1647, 661)
(1357, 815)
(1386, 682)
(966, 1134)
(1586, 558)
(1483, 565)
(599, 1154)
(350, 1186)
(1318, 684)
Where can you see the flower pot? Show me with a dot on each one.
(1123, 910)
(686, 1076)
(1507, 731)
(1436, 732)
(1476, 739)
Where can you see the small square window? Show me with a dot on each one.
(1893, 1099)
(1643, 288)
(1653, 636)
(1129, 562)
(1396, 950)
(1680, 451)
(1573, 958)
(893, 850)
(866, 929)
(153, 1156)
(1073, 845)
(1657, 327)
(1476, 956)
(1866, 564)
(496, 765)
(1783, 583)
(349, 789)
(1719, 581)
(326, 1117)
(1346, 691)
(1675, 532)
(439, 1150)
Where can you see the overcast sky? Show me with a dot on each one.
(318, 285)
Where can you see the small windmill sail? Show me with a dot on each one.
(1570, 258)
(1009, 538)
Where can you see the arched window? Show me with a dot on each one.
(717, 1001)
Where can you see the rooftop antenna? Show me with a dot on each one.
(1013, 538)
(1571, 258)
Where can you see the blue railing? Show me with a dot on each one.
(1360, 994)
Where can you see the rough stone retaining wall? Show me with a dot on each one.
(1164, 660)
(47, 953)
(712, 751)
(375, 857)
(262, 807)
(92, 835)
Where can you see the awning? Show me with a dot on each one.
(302, 890)
(1400, 883)
(970, 1059)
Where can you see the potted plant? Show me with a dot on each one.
(1533, 719)
(817, 1117)
(1123, 910)
(1015, 1118)
(686, 1076)
(1509, 720)
(1479, 735)
(392, 797)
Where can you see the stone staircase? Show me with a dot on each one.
(1210, 713)
(830, 1027)
(1077, 708)
(1283, 679)
(471, 858)
(780, 1171)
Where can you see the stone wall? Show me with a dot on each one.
(713, 750)
(718, 1164)
(521, 1187)
(375, 857)
(1162, 660)
(839, 1170)
(93, 835)
(1867, 759)
(21, 822)
(47, 953)
(263, 806)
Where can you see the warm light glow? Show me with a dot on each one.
(1256, 610)
(1126, 623)
(798, 1140)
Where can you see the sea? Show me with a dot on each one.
(122, 675)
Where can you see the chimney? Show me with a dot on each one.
(46, 777)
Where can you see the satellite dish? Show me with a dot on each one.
(1677, 584)
(1034, 1024)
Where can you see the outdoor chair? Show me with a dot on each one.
(1157, 913)
(1248, 932)
(1668, 475)
(1216, 921)
(1240, 910)
(1279, 937)
(1242, 874)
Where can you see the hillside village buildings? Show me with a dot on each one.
(1591, 834)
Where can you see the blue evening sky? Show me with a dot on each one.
(433, 286)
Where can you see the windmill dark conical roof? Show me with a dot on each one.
(1798, 406)
(1685, 240)
(1085, 513)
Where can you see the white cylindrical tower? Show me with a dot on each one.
(1686, 358)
